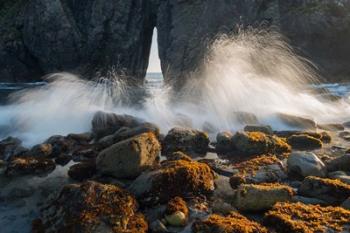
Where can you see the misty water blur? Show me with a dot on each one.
(253, 71)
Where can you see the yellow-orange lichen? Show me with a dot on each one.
(180, 177)
(234, 222)
(89, 205)
(253, 165)
(297, 217)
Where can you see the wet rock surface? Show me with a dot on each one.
(303, 164)
(304, 142)
(189, 141)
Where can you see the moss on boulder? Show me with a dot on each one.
(297, 217)
(233, 222)
(92, 207)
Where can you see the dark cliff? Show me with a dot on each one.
(88, 36)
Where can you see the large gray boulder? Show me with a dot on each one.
(129, 158)
(305, 164)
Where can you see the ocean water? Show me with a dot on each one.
(253, 72)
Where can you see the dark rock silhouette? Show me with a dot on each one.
(89, 36)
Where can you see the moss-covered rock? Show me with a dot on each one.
(297, 217)
(262, 169)
(304, 142)
(261, 197)
(332, 191)
(30, 166)
(174, 178)
(233, 222)
(92, 207)
(256, 143)
(189, 141)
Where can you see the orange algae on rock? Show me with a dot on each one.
(247, 170)
(297, 217)
(253, 165)
(232, 223)
(182, 177)
(255, 143)
(93, 207)
(332, 191)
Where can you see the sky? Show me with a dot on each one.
(154, 62)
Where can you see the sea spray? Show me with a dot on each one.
(252, 71)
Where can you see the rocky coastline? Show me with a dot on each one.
(125, 176)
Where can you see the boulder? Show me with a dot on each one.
(224, 142)
(125, 133)
(190, 141)
(129, 158)
(233, 222)
(304, 142)
(303, 164)
(298, 217)
(60, 145)
(308, 200)
(251, 197)
(82, 171)
(331, 191)
(341, 163)
(345, 135)
(92, 207)
(104, 123)
(30, 166)
(43, 150)
(256, 143)
(346, 204)
(266, 129)
(177, 213)
(340, 175)
(8, 147)
(297, 122)
(174, 178)
(262, 169)
(63, 159)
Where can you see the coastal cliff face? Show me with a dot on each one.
(90, 36)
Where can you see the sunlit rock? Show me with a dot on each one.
(174, 178)
(251, 197)
(256, 143)
(129, 158)
(332, 191)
